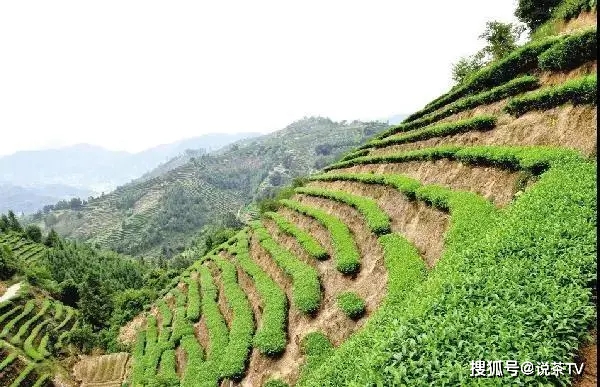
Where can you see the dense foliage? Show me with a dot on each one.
(577, 91)
(351, 304)
(573, 51)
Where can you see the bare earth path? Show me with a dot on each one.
(10, 292)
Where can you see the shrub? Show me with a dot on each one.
(346, 255)
(569, 9)
(195, 359)
(528, 267)
(233, 364)
(270, 337)
(167, 376)
(377, 220)
(316, 347)
(573, 51)
(578, 91)
(351, 304)
(510, 88)
(520, 61)
(307, 241)
(306, 287)
(137, 374)
(480, 123)
(193, 306)
(534, 159)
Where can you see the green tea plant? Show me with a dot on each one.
(270, 338)
(351, 304)
(377, 220)
(508, 89)
(137, 373)
(306, 287)
(346, 255)
(195, 359)
(307, 241)
(479, 123)
(233, 364)
(577, 91)
(193, 305)
(573, 51)
(518, 62)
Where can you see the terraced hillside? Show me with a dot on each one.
(162, 210)
(33, 329)
(24, 250)
(466, 233)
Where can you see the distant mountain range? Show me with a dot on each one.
(160, 212)
(31, 179)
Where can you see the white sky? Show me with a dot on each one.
(129, 75)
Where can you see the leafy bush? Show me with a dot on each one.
(195, 358)
(520, 61)
(570, 9)
(181, 325)
(351, 304)
(307, 241)
(480, 123)
(578, 91)
(217, 329)
(193, 305)
(529, 267)
(233, 364)
(137, 374)
(573, 51)
(316, 347)
(510, 88)
(167, 376)
(270, 337)
(346, 255)
(377, 220)
(306, 287)
(534, 159)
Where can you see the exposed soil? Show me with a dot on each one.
(495, 184)
(128, 333)
(565, 126)
(548, 78)
(421, 224)
(589, 356)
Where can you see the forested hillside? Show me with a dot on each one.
(462, 236)
(160, 213)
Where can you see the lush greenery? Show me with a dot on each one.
(308, 242)
(162, 214)
(351, 304)
(378, 221)
(573, 51)
(270, 337)
(233, 364)
(346, 255)
(306, 287)
(510, 277)
(577, 91)
(520, 61)
(480, 123)
(510, 88)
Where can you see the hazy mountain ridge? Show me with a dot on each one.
(163, 210)
(87, 169)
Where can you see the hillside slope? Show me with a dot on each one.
(161, 213)
(466, 233)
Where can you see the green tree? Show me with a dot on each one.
(4, 223)
(535, 12)
(52, 239)
(13, 222)
(8, 264)
(501, 38)
(129, 303)
(69, 292)
(34, 233)
(466, 66)
(95, 302)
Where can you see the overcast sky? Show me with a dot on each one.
(129, 75)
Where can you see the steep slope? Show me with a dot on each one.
(466, 233)
(161, 213)
(33, 329)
